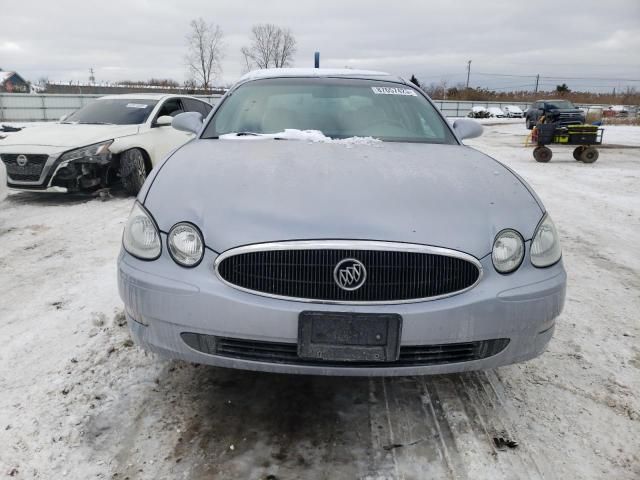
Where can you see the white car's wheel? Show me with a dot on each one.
(133, 170)
(3, 181)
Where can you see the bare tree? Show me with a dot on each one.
(271, 47)
(205, 43)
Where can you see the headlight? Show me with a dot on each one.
(98, 152)
(545, 248)
(508, 251)
(186, 246)
(141, 238)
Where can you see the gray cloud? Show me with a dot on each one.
(139, 39)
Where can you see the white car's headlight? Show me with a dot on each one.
(508, 251)
(545, 247)
(98, 152)
(185, 243)
(141, 237)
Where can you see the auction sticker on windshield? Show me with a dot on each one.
(393, 91)
(136, 105)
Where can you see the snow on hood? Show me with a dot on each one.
(315, 136)
(67, 135)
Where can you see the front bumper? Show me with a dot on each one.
(163, 301)
(62, 176)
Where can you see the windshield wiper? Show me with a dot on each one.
(96, 123)
(247, 134)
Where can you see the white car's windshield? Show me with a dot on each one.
(114, 111)
(339, 108)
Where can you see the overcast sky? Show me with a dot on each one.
(140, 39)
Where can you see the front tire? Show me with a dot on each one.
(589, 155)
(542, 154)
(577, 152)
(529, 124)
(133, 170)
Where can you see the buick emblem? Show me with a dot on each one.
(21, 160)
(350, 274)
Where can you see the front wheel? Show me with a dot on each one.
(529, 124)
(577, 152)
(589, 155)
(133, 171)
(542, 154)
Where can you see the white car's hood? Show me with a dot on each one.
(66, 135)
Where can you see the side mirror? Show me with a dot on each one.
(163, 121)
(466, 128)
(187, 122)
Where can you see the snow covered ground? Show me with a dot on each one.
(78, 400)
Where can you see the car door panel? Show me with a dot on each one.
(159, 141)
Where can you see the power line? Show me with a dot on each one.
(503, 75)
(529, 85)
(609, 79)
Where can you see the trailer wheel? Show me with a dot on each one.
(542, 154)
(589, 155)
(577, 152)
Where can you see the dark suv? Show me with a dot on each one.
(562, 112)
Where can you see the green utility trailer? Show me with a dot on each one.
(585, 137)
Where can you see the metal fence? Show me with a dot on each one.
(24, 107)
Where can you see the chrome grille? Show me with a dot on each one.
(297, 270)
(28, 173)
(287, 353)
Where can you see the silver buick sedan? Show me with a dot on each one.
(331, 222)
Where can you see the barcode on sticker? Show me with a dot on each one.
(394, 91)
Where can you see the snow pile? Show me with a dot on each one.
(314, 136)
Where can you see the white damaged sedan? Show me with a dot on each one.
(116, 138)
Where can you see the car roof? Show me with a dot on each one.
(318, 73)
(145, 96)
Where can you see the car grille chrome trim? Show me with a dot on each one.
(303, 271)
(287, 353)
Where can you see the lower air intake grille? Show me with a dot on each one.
(287, 353)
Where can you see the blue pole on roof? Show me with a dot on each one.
(316, 58)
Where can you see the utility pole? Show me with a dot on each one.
(468, 72)
(537, 82)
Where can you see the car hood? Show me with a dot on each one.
(66, 135)
(241, 192)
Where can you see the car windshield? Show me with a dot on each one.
(120, 111)
(339, 108)
(560, 104)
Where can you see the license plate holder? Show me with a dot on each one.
(349, 337)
